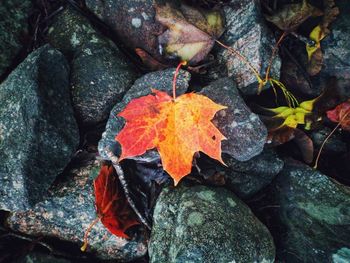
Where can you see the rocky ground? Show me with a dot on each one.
(67, 68)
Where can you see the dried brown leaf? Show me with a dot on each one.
(292, 16)
(188, 39)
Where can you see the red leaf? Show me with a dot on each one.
(178, 128)
(111, 204)
(341, 114)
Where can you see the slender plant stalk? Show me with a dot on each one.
(274, 51)
(327, 138)
(87, 232)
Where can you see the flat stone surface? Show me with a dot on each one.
(245, 31)
(100, 77)
(315, 211)
(38, 132)
(249, 177)
(245, 133)
(100, 72)
(13, 30)
(207, 224)
(68, 211)
(133, 21)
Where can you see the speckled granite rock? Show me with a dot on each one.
(13, 29)
(67, 213)
(100, 78)
(70, 30)
(247, 178)
(334, 145)
(132, 20)
(245, 133)
(336, 50)
(203, 224)
(160, 80)
(316, 214)
(38, 132)
(246, 32)
(100, 72)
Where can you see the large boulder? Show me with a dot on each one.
(245, 132)
(68, 211)
(315, 213)
(133, 22)
(249, 177)
(13, 30)
(38, 131)
(247, 33)
(206, 224)
(100, 74)
(336, 51)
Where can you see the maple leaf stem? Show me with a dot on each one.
(182, 63)
(327, 138)
(87, 232)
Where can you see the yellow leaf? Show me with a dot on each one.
(307, 105)
(316, 35)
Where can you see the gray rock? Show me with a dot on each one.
(67, 213)
(100, 73)
(245, 133)
(336, 50)
(247, 178)
(334, 145)
(336, 55)
(13, 29)
(246, 32)
(160, 80)
(100, 77)
(133, 21)
(70, 31)
(315, 211)
(203, 224)
(38, 132)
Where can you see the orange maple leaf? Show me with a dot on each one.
(177, 128)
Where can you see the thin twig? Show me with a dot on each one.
(273, 55)
(329, 135)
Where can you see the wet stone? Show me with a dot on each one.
(13, 29)
(336, 50)
(100, 78)
(245, 133)
(206, 224)
(100, 72)
(68, 211)
(38, 132)
(160, 80)
(334, 145)
(315, 211)
(245, 31)
(249, 177)
(133, 21)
